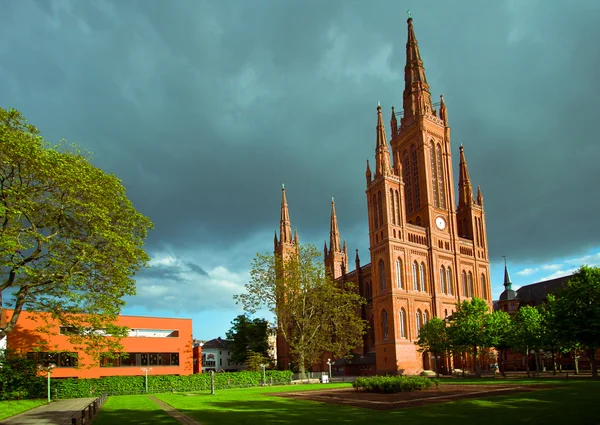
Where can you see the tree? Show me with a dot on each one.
(70, 240)
(468, 328)
(255, 360)
(433, 338)
(551, 334)
(528, 332)
(18, 376)
(500, 331)
(248, 335)
(314, 314)
(578, 311)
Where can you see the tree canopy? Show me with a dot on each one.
(70, 239)
(314, 314)
(248, 335)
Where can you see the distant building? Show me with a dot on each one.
(216, 356)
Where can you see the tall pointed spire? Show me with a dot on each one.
(382, 153)
(368, 173)
(334, 233)
(417, 99)
(465, 190)
(507, 282)
(285, 227)
(443, 110)
(394, 123)
(479, 196)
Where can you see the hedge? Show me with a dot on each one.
(394, 384)
(115, 385)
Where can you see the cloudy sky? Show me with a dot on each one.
(203, 109)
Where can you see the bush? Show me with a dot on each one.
(394, 384)
(18, 376)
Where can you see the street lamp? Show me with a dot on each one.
(264, 374)
(329, 363)
(145, 369)
(47, 369)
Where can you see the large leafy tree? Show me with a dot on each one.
(468, 328)
(578, 311)
(500, 333)
(527, 333)
(314, 314)
(70, 239)
(433, 338)
(248, 335)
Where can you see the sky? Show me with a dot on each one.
(204, 108)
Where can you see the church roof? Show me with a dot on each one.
(536, 293)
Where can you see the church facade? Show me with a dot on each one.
(428, 242)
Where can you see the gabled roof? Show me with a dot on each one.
(216, 343)
(536, 293)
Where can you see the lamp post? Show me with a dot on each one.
(329, 364)
(264, 374)
(48, 369)
(145, 369)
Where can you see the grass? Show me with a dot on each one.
(134, 409)
(10, 408)
(574, 402)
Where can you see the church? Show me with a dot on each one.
(428, 243)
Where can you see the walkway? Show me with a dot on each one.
(184, 419)
(58, 412)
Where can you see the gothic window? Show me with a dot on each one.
(375, 221)
(415, 276)
(470, 284)
(381, 275)
(384, 323)
(415, 176)
(440, 171)
(434, 174)
(392, 209)
(418, 321)
(449, 281)
(371, 332)
(399, 283)
(407, 182)
(422, 279)
(481, 232)
(425, 317)
(483, 287)
(477, 241)
(464, 283)
(418, 221)
(443, 280)
(402, 323)
(397, 207)
(380, 208)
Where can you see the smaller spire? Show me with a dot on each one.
(394, 123)
(345, 248)
(443, 111)
(325, 248)
(465, 190)
(334, 234)
(296, 236)
(275, 241)
(368, 173)
(398, 165)
(507, 282)
(479, 197)
(285, 228)
(357, 258)
(382, 154)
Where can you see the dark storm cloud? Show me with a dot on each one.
(204, 108)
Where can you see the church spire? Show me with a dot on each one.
(417, 99)
(334, 233)
(465, 190)
(382, 153)
(285, 227)
(507, 282)
(443, 110)
(394, 123)
(479, 197)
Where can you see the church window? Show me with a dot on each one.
(415, 176)
(445, 313)
(392, 209)
(415, 276)
(407, 182)
(481, 231)
(371, 332)
(380, 208)
(381, 275)
(402, 323)
(418, 221)
(440, 172)
(483, 287)
(399, 282)
(384, 322)
(449, 281)
(477, 241)
(425, 317)
(464, 283)
(422, 279)
(434, 176)
(443, 280)
(397, 207)
(470, 284)
(375, 221)
(418, 321)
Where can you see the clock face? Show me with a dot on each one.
(440, 223)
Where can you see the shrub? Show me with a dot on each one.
(394, 384)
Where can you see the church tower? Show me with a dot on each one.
(336, 257)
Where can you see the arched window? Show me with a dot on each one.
(380, 208)
(402, 323)
(384, 324)
(470, 284)
(445, 313)
(418, 221)
(397, 207)
(434, 174)
(399, 283)
(443, 280)
(375, 215)
(422, 280)
(415, 276)
(407, 182)
(425, 317)
(440, 171)
(449, 281)
(392, 208)
(483, 287)
(371, 332)
(415, 176)
(477, 233)
(418, 321)
(464, 283)
(381, 275)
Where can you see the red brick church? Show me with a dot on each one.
(428, 243)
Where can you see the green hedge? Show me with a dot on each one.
(114, 385)
(394, 384)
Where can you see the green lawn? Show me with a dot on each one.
(576, 402)
(134, 409)
(10, 408)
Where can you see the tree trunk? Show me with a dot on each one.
(301, 368)
(593, 362)
(462, 360)
(436, 364)
(576, 358)
(502, 351)
(527, 361)
(476, 363)
(450, 360)
(553, 362)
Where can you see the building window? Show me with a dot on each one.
(375, 215)
(62, 359)
(415, 276)
(440, 171)
(371, 332)
(381, 275)
(464, 283)
(483, 287)
(470, 284)
(415, 176)
(399, 282)
(434, 176)
(423, 280)
(392, 207)
(152, 359)
(380, 208)
(402, 323)
(443, 280)
(449, 281)
(418, 321)
(425, 317)
(397, 207)
(407, 182)
(384, 322)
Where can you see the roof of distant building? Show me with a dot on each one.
(537, 293)
(216, 343)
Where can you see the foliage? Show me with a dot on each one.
(433, 338)
(254, 360)
(18, 376)
(70, 240)
(394, 384)
(314, 314)
(248, 335)
(500, 331)
(578, 310)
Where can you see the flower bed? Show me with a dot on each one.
(394, 384)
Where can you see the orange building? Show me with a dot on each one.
(428, 245)
(163, 344)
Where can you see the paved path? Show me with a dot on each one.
(58, 412)
(184, 419)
